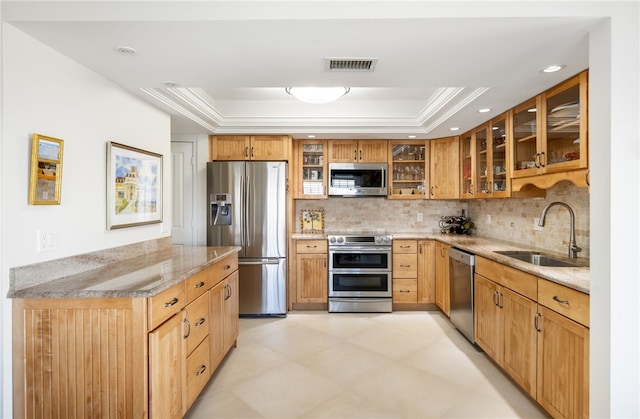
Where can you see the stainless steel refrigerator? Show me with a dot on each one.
(247, 208)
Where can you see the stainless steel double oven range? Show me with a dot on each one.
(360, 273)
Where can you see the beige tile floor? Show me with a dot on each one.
(392, 365)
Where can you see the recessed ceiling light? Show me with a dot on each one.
(170, 83)
(412, 136)
(311, 136)
(552, 68)
(317, 95)
(532, 110)
(125, 50)
(454, 129)
(484, 110)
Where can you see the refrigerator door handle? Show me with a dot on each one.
(269, 261)
(243, 218)
(247, 210)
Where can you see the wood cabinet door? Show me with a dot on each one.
(486, 317)
(312, 278)
(229, 147)
(231, 311)
(444, 169)
(270, 147)
(442, 278)
(167, 363)
(519, 339)
(426, 271)
(372, 151)
(216, 323)
(563, 366)
(343, 151)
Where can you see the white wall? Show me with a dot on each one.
(46, 93)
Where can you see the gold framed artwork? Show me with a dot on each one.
(134, 186)
(45, 185)
(312, 221)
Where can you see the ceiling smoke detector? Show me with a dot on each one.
(350, 64)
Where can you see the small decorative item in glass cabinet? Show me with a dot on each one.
(312, 164)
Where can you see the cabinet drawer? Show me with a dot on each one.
(197, 315)
(311, 246)
(220, 270)
(518, 281)
(198, 284)
(405, 246)
(166, 304)
(198, 371)
(405, 266)
(566, 301)
(405, 290)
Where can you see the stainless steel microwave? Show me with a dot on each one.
(358, 179)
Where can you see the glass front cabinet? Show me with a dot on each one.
(467, 165)
(550, 136)
(312, 166)
(499, 185)
(409, 161)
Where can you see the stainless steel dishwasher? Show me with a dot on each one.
(461, 271)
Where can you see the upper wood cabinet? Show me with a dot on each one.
(550, 136)
(444, 168)
(250, 147)
(408, 171)
(360, 151)
(311, 169)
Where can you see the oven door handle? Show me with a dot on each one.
(360, 250)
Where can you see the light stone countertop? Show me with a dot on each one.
(576, 278)
(141, 276)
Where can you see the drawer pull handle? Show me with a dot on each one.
(311, 247)
(561, 301)
(200, 322)
(405, 266)
(172, 302)
(226, 268)
(405, 247)
(186, 321)
(405, 291)
(202, 369)
(199, 285)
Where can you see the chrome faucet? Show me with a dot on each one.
(573, 247)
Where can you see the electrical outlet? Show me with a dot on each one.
(46, 241)
(419, 217)
(488, 218)
(536, 227)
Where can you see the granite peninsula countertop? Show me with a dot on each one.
(576, 278)
(141, 276)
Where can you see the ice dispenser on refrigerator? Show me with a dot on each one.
(221, 209)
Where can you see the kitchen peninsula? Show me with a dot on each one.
(131, 331)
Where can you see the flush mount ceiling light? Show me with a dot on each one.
(484, 110)
(552, 68)
(317, 95)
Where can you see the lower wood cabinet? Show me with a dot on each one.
(124, 357)
(311, 270)
(537, 331)
(443, 299)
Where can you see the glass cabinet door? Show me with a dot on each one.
(466, 165)
(408, 161)
(499, 182)
(565, 123)
(313, 169)
(524, 144)
(483, 162)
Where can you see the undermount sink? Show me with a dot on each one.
(536, 258)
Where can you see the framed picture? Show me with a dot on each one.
(134, 186)
(45, 185)
(312, 221)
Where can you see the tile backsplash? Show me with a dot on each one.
(511, 219)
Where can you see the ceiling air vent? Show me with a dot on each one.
(350, 64)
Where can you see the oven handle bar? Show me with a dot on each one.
(359, 249)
